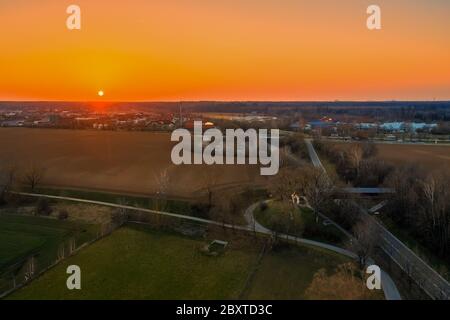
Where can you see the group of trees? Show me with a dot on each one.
(442, 129)
(365, 234)
(344, 212)
(281, 123)
(296, 144)
(162, 181)
(421, 204)
(227, 207)
(318, 189)
(221, 202)
(7, 179)
(11, 177)
(365, 240)
(357, 163)
(308, 181)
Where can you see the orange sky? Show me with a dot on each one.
(138, 50)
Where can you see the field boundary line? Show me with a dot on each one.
(252, 273)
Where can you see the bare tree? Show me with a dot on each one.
(286, 183)
(435, 211)
(286, 186)
(285, 157)
(421, 204)
(120, 215)
(316, 186)
(372, 171)
(33, 176)
(7, 179)
(409, 269)
(210, 178)
(402, 206)
(162, 183)
(369, 149)
(429, 187)
(356, 155)
(227, 207)
(365, 240)
(221, 207)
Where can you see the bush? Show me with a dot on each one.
(119, 217)
(63, 214)
(200, 210)
(43, 207)
(263, 206)
(2, 200)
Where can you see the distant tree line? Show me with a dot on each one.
(442, 129)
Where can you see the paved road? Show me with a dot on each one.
(378, 207)
(313, 155)
(373, 191)
(426, 277)
(251, 221)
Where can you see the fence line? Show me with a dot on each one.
(29, 274)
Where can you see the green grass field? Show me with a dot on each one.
(136, 262)
(20, 236)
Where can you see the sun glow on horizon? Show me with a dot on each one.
(221, 50)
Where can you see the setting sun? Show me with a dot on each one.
(101, 93)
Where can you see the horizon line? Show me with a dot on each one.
(224, 101)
